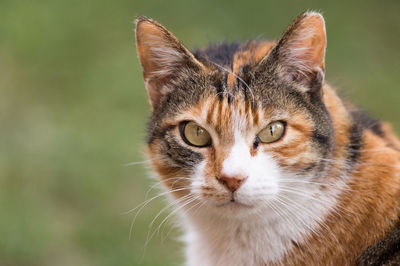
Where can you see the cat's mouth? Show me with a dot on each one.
(233, 202)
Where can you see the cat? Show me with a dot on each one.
(268, 165)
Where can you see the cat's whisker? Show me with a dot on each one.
(157, 196)
(316, 219)
(295, 216)
(159, 183)
(141, 206)
(179, 180)
(369, 150)
(176, 211)
(173, 203)
(193, 214)
(151, 188)
(346, 161)
(288, 218)
(188, 201)
(302, 193)
(341, 186)
(313, 197)
(285, 180)
(281, 213)
(136, 163)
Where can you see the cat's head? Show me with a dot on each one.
(234, 127)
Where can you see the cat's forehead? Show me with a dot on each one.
(232, 61)
(234, 115)
(228, 86)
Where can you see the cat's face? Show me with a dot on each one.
(236, 134)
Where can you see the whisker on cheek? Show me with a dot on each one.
(142, 205)
(182, 203)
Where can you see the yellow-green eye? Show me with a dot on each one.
(195, 135)
(273, 132)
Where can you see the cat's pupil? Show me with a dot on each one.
(199, 131)
(273, 132)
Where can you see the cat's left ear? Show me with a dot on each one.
(299, 56)
(163, 58)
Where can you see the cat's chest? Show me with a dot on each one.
(243, 244)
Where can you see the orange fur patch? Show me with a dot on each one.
(251, 54)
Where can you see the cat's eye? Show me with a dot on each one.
(194, 135)
(273, 132)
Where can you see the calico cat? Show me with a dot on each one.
(266, 163)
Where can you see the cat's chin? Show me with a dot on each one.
(233, 204)
(233, 209)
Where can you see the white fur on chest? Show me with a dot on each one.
(234, 245)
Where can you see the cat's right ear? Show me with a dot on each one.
(163, 58)
(299, 55)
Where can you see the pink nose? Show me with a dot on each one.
(231, 183)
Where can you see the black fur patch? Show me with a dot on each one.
(219, 84)
(385, 252)
(361, 121)
(322, 140)
(221, 54)
(355, 143)
(366, 122)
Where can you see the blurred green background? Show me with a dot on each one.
(73, 110)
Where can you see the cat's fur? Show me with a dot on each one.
(319, 196)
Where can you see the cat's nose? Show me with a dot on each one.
(232, 183)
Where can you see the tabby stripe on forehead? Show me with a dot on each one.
(218, 83)
(246, 109)
(218, 126)
(255, 116)
(226, 118)
(220, 107)
(240, 59)
(210, 113)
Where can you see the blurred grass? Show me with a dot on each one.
(73, 110)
